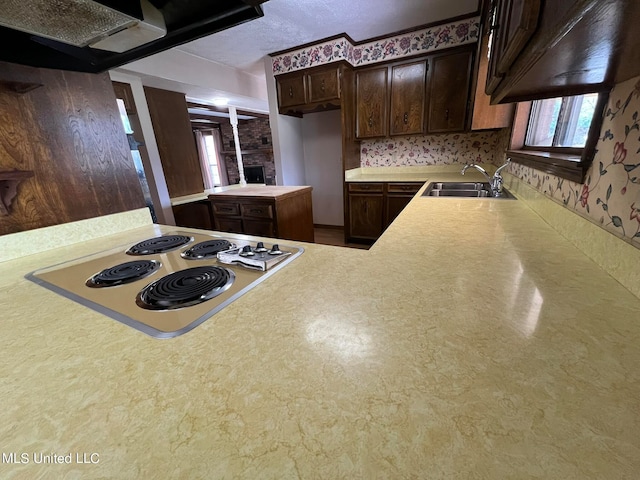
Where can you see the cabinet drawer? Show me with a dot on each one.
(257, 210)
(403, 187)
(366, 187)
(226, 209)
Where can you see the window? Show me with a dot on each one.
(212, 156)
(561, 122)
(558, 135)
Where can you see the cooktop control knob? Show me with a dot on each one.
(246, 251)
(275, 250)
(260, 248)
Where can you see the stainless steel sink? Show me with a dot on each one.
(459, 186)
(462, 189)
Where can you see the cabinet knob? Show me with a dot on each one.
(370, 121)
(446, 114)
(290, 91)
(406, 118)
(322, 85)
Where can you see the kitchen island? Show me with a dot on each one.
(265, 210)
(471, 341)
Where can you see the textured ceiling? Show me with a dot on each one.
(289, 23)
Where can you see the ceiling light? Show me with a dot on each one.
(220, 101)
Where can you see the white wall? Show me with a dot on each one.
(153, 167)
(200, 79)
(322, 142)
(286, 133)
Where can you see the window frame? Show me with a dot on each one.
(566, 162)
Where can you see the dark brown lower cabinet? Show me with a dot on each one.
(277, 212)
(194, 215)
(366, 212)
(398, 196)
(261, 228)
(232, 225)
(371, 207)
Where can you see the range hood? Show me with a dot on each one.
(97, 35)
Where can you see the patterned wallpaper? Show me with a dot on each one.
(397, 46)
(445, 149)
(610, 197)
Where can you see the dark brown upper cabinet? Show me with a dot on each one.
(518, 21)
(513, 23)
(418, 96)
(310, 90)
(486, 116)
(291, 90)
(372, 116)
(560, 48)
(449, 84)
(408, 82)
(324, 85)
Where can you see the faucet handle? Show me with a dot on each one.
(506, 164)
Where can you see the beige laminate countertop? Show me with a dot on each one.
(471, 341)
(267, 191)
(270, 191)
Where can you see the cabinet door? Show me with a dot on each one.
(449, 85)
(407, 98)
(371, 103)
(324, 85)
(398, 196)
(513, 22)
(395, 204)
(485, 116)
(365, 215)
(261, 228)
(224, 224)
(194, 215)
(291, 90)
(518, 21)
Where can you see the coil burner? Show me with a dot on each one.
(207, 249)
(124, 273)
(185, 288)
(159, 244)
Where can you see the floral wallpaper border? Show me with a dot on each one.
(441, 149)
(398, 46)
(610, 196)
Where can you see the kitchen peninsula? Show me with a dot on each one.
(265, 210)
(471, 340)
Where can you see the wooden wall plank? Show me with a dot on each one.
(175, 140)
(69, 133)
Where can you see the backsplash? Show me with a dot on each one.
(444, 149)
(610, 197)
(424, 40)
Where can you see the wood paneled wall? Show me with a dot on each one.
(175, 140)
(69, 133)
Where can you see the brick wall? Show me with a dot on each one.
(256, 145)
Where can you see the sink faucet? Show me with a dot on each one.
(495, 182)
